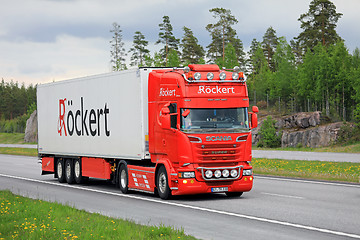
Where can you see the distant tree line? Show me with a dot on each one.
(16, 104)
(312, 72)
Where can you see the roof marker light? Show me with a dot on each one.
(210, 76)
(197, 76)
(235, 76)
(222, 76)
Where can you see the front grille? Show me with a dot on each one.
(217, 152)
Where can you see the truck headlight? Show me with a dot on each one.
(186, 174)
(208, 174)
(217, 173)
(234, 173)
(225, 173)
(247, 172)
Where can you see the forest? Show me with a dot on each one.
(314, 71)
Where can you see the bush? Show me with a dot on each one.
(348, 133)
(268, 135)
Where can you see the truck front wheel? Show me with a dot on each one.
(69, 171)
(60, 171)
(163, 183)
(123, 179)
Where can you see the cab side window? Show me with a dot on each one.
(173, 118)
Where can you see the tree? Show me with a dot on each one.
(167, 38)
(117, 49)
(222, 33)
(251, 53)
(269, 43)
(319, 25)
(139, 50)
(230, 60)
(173, 60)
(284, 84)
(192, 51)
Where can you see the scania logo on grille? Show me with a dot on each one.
(218, 138)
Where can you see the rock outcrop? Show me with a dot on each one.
(319, 136)
(307, 129)
(31, 128)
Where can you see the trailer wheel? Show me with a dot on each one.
(69, 171)
(60, 171)
(123, 179)
(163, 183)
(78, 171)
(234, 194)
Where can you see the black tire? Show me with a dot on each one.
(78, 171)
(162, 184)
(234, 194)
(60, 171)
(123, 179)
(69, 171)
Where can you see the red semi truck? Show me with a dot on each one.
(160, 130)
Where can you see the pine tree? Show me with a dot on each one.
(192, 51)
(269, 43)
(230, 60)
(251, 53)
(319, 25)
(167, 38)
(173, 60)
(139, 50)
(117, 49)
(221, 34)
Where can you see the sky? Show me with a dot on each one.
(51, 40)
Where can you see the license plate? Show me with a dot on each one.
(219, 189)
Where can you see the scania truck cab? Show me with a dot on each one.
(200, 130)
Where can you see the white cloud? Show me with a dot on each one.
(45, 40)
(67, 57)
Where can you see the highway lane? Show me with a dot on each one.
(275, 208)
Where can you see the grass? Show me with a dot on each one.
(24, 218)
(19, 151)
(341, 148)
(317, 170)
(12, 138)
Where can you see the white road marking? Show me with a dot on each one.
(308, 181)
(280, 195)
(316, 229)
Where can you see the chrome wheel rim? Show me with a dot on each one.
(77, 169)
(123, 180)
(162, 183)
(59, 169)
(68, 170)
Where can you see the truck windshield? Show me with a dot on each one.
(215, 120)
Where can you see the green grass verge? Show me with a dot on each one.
(24, 218)
(12, 138)
(317, 170)
(19, 151)
(343, 148)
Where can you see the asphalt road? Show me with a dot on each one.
(276, 208)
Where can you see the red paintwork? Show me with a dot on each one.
(172, 147)
(96, 168)
(142, 178)
(48, 164)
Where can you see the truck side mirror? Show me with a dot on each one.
(165, 118)
(186, 113)
(254, 120)
(255, 109)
